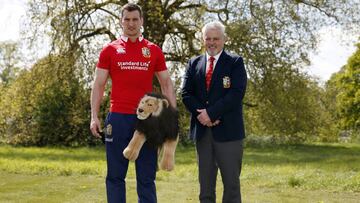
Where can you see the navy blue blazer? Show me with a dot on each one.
(222, 102)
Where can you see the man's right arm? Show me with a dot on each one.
(97, 92)
(188, 90)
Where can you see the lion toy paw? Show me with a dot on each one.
(132, 151)
(167, 162)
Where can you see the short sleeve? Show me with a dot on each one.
(160, 60)
(104, 58)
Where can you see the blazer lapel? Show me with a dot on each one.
(221, 63)
(202, 72)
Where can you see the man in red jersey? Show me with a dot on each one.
(131, 62)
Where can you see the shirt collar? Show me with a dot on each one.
(216, 56)
(125, 38)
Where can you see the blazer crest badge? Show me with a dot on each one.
(146, 52)
(226, 82)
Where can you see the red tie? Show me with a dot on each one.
(209, 72)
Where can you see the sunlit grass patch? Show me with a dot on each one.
(52, 161)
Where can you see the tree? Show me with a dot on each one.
(291, 106)
(78, 27)
(46, 106)
(348, 99)
(329, 129)
(9, 62)
(274, 38)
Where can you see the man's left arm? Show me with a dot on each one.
(235, 95)
(167, 87)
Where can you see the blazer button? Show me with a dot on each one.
(207, 102)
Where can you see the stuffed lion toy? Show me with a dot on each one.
(157, 124)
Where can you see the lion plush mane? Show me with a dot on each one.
(161, 122)
(157, 124)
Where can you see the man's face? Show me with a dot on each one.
(214, 41)
(131, 23)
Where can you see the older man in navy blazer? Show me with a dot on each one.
(213, 90)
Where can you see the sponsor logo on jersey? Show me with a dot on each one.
(121, 50)
(134, 65)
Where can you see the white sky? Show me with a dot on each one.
(331, 56)
(10, 14)
(334, 50)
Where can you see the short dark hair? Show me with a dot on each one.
(131, 7)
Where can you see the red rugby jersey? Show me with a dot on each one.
(131, 66)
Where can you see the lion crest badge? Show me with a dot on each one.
(226, 82)
(108, 129)
(146, 52)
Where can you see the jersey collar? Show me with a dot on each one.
(125, 39)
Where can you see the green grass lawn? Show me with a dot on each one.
(281, 173)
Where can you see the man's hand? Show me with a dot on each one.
(95, 127)
(215, 123)
(203, 117)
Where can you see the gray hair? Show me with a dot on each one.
(214, 25)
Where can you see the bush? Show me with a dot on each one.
(47, 105)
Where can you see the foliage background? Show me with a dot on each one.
(48, 103)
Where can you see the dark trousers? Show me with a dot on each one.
(226, 156)
(122, 129)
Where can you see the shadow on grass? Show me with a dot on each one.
(52, 153)
(324, 155)
(184, 155)
(304, 154)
